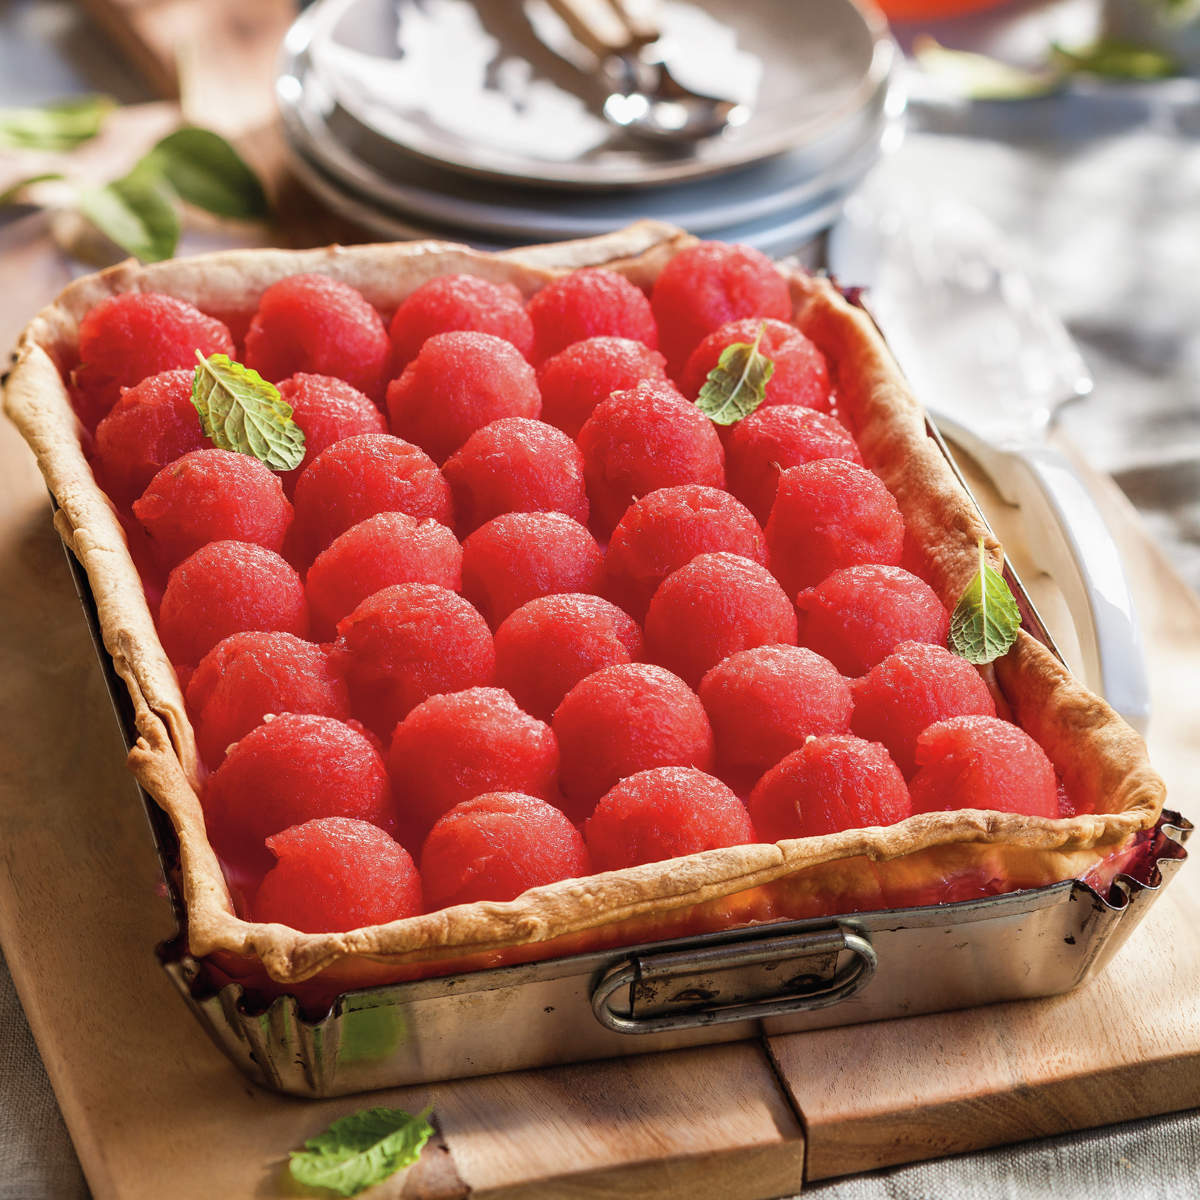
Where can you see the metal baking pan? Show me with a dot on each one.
(778, 977)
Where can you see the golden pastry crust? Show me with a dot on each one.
(1101, 759)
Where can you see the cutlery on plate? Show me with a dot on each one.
(993, 363)
(646, 98)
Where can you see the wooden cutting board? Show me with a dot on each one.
(155, 1110)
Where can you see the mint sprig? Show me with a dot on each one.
(985, 621)
(737, 385)
(360, 1150)
(62, 125)
(241, 411)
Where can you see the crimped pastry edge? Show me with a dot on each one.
(1100, 757)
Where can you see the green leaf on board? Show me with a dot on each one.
(737, 385)
(136, 213)
(980, 77)
(12, 193)
(360, 1150)
(1116, 59)
(206, 171)
(239, 410)
(62, 125)
(985, 621)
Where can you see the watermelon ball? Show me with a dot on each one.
(336, 874)
(548, 645)
(764, 702)
(457, 303)
(211, 496)
(318, 326)
(716, 605)
(406, 643)
(360, 476)
(665, 530)
(517, 557)
(249, 676)
(916, 686)
(982, 762)
(663, 813)
(643, 439)
(832, 782)
(224, 588)
(830, 514)
(622, 719)
(293, 768)
(577, 378)
(708, 285)
(770, 440)
(857, 616)
(383, 550)
(152, 424)
(496, 846)
(587, 304)
(327, 410)
(126, 338)
(801, 375)
(455, 747)
(516, 465)
(459, 383)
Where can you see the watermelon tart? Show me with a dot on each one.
(512, 651)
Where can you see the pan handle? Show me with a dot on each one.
(707, 987)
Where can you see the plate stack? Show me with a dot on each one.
(481, 122)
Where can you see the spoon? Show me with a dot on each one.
(646, 99)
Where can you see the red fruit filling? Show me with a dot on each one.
(496, 846)
(576, 379)
(548, 645)
(764, 702)
(211, 496)
(454, 303)
(641, 440)
(318, 326)
(406, 643)
(662, 813)
(292, 769)
(917, 685)
(587, 304)
(830, 514)
(982, 762)
(709, 285)
(857, 616)
(801, 375)
(336, 874)
(831, 783)
(623, 719)
(454, 747)
(517, 557)
(516, 465)
(225, 588)
(383, 550)
(459, 383)
(716, 605)
(249, 676)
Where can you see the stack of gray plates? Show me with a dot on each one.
(480, 122)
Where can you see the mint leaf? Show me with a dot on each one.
(737, 385)
(979, 77)
(135, 213)
(205, 170)
(239, 410)
(1115, 59)
(985, 621)
(58, 126)
(360, 1150)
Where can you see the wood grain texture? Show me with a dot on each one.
(1127, 1044)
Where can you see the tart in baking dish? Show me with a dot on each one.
(531, 625)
